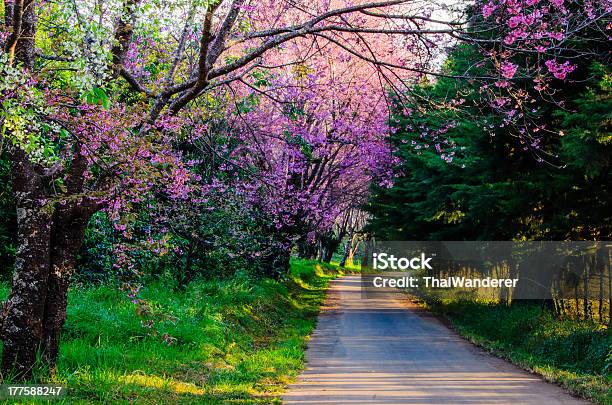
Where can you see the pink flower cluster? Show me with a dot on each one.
(559, 70)
(508, 69)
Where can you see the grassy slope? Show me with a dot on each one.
(231, 341)
(574, 354)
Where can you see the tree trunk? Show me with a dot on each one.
(320, 247)
(354, 247)
(331, 245)
(22, 327)
(609, 293)
(306, 249)
(585, 281)
(577, 301)
(365, 260)
(20, 43)
(601, 269)
(67, 236)
(535, 283)
(347, 249)
(22, 312)
(184, 277)
(279, 263)
(47, 244)
(275, 258)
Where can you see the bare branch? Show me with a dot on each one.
(411, 17)
(55, 57)
(395, 66)
(133, 81)
(124, 29)
(218, 44)
(162, 98)
(317, 19)
(278, 36)
(203, 67)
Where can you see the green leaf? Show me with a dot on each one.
(97, 96)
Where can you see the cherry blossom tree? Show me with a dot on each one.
(93, 99)
(532, 47)
(316, 136)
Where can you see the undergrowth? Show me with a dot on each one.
(236, 341)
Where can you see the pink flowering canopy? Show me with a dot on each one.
(534, 40)
(304, 87)
(316, 135)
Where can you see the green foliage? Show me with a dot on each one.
(20, 115)
(95, 263)
(97, 96)
(237, 340)
(490, 187)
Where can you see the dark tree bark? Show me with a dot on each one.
(306, 249)
(600, 269)
(320, 250)
(47, 243)
(585, 282)
(20, 43)
(186, 276)
(365, 260)
(330, 246)
(67, 234)
(609, 292)
(535, 273)
(275, 261)
(23, 311)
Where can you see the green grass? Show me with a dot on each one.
(574, 354)
(229, 342)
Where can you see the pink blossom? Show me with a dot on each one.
(514, 21)
(514, 35)
(488, 9)
(559, 70)
(508, 70)
(556, 35)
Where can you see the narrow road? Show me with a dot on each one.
(388, 351)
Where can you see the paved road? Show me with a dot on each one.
(388, 351)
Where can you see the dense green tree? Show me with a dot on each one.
(463, 175)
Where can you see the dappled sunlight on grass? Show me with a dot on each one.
(219, 341)
(161, 383)
(354, 267)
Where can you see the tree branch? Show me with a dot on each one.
(124, 30)
(203, 67)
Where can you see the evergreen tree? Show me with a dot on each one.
(463, 175)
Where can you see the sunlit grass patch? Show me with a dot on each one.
(349, 267)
